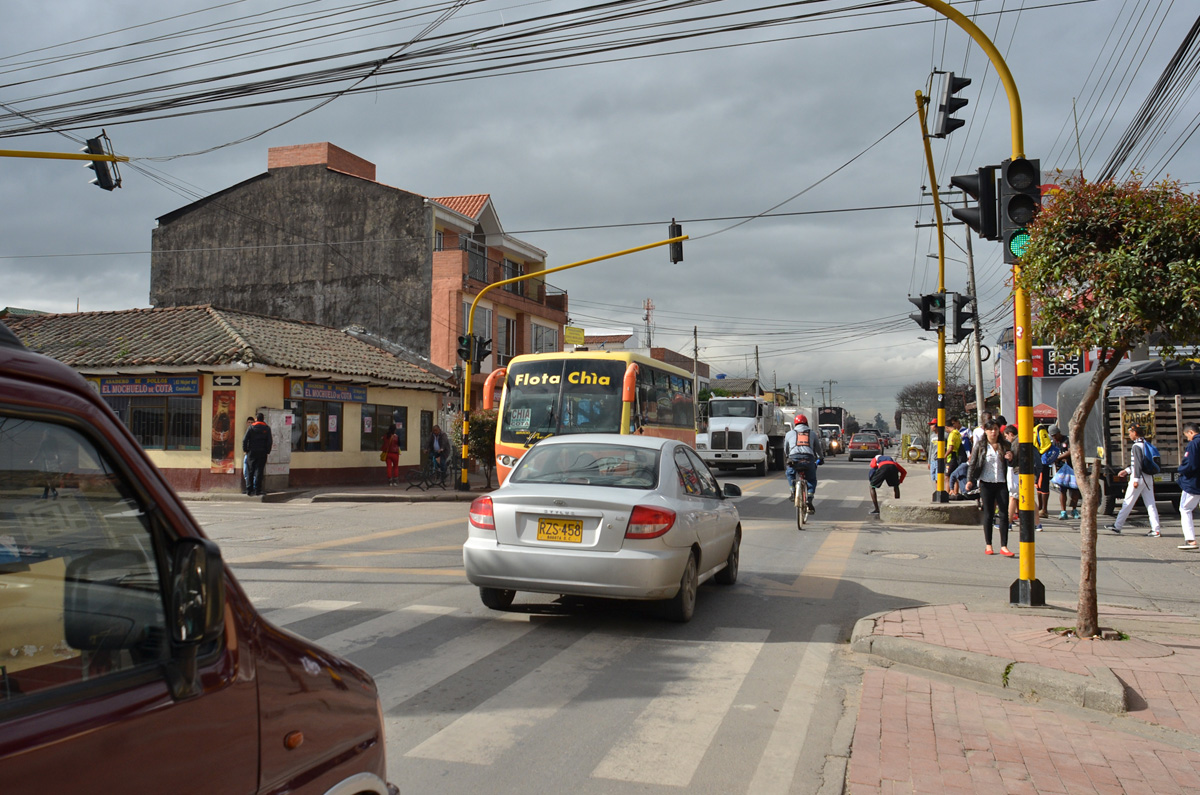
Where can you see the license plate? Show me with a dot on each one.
(568, 530)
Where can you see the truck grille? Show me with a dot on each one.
(727, 440)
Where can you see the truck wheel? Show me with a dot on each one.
(760, 468)
(1108, 498)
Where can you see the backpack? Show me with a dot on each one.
(803, 453)
(1041, 439)
(1151, 460)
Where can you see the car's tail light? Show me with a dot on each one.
(481, 514)
(647, 522)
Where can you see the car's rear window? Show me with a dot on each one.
(865, 437)
(589, 464)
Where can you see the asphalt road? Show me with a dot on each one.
(758, 693)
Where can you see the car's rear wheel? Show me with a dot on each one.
(497, 598)
(681, 607)
(728, 575)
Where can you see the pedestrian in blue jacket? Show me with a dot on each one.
(1189, 482)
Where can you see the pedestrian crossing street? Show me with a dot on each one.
(464, 688)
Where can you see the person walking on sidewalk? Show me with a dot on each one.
(884, 469)
(1189, 482)
(1141, 485)
(391, 455)
(989, 468)
(1059, 456)
(256, 444)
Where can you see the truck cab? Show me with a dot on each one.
(743, 432)
(138, 663)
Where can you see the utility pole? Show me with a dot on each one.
(695, 378)
(976, 353)
(648, 305)
(757, 372)
(831, 383)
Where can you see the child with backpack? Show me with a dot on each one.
(1144, 464)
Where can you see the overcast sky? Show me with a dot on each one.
(598, 157)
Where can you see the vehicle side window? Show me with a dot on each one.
(708, 483)
(689, 480)
(80, 595)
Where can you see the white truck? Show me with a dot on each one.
(743, 432)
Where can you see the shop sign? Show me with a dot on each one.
(151, 385)
(314, 390)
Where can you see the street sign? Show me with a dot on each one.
(227, 380)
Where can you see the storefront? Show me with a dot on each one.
(328, 396)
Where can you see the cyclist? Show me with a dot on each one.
(804, 453)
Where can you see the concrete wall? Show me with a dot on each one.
(264, 246)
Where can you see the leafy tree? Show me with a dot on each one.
(852, 425)
(879, 423)
(481, 440)
(921, 398)
(1109, 264)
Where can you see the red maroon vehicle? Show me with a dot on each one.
(130, 658)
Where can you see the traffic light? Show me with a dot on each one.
(464, 348)
(483, 349)
(933, 310)
(980, 186)
(104, 169)
(1020, 200)
(937, 310)
(676, 230)
(945, 123)
(959, 324)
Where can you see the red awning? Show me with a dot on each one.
(1043, 411)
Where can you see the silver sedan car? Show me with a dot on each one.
(626, 517)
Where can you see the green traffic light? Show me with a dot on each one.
(1019, 242)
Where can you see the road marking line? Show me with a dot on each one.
(485, 733)
(431, 572)
(286, 552)
(290, 615)
(362, 636)
(399, 551)
(820, 578)
(672, 734)
(777, 767)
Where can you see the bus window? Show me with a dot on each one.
(546, 397)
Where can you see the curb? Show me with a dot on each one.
(957, 513)
(1101, 691)
(449, 496)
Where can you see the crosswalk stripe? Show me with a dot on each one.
(777, 767)
(481, 736)
(347, 641)
(290, 615)
(671, 735)
(399, 684)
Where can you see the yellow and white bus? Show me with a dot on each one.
(545, 394)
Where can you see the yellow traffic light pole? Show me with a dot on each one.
(940, 494)
(1026, 590)
(466, 394)
(64, 156)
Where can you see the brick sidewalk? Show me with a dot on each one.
(930, 735)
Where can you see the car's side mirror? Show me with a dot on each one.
(197, 595)
(112, 602)
(731, 490)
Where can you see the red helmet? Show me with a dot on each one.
(800, 420)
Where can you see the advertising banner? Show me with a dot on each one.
(224, 431)
(150, 385)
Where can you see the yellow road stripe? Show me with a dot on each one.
(399, 551)
(383, 570)
(820, 578)
(287, 552)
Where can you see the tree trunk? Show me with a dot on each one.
(1087, 619)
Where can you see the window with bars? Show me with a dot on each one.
(316, 425)
(161, 423)
(375, 422)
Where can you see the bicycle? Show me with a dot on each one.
(430, 475)
(801, 500)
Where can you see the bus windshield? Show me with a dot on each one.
(558, 396)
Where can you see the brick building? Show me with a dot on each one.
(317, 238)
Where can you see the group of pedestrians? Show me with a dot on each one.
(437, 445)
